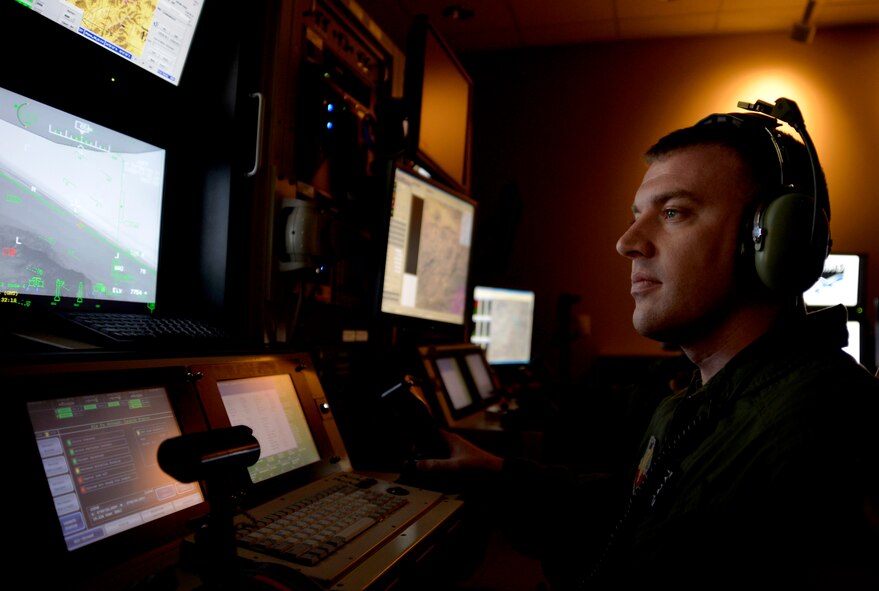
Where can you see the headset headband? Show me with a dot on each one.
(768, 116)
(787, 110)
(790, 232)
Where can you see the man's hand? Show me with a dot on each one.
(464, 456)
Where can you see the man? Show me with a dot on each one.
(763, 473)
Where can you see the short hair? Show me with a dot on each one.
(751, 137)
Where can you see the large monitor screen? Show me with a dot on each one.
(841, 282)
(503, 321)
(99, 457)
(439, 92)
(155, 35)
(81, 209)
(428, 251)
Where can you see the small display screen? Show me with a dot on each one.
(270, 406)
(99, 457)
(840, 282)
(503, 321)
(464, 381)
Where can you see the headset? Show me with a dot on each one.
(789, 235)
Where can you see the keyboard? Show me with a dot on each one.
(144, 328)
(311, 528)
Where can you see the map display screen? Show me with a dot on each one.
(428, 251)
(153, 34)
(503, 321)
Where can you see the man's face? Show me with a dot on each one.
(683, 243)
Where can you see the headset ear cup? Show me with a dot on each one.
(785, 257)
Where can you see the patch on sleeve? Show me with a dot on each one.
(644, 464)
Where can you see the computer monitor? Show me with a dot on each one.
(279, 398)
(842, 281)
(155, 36)
(462, 379)
(81, 214)
(88, 490)
(428, 254)
(269, 405)
(439, 96)
(99, 455)
(502, 324)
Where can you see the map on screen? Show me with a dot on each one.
(153, 34)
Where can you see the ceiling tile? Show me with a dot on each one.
(792, 6)
(508, 24)
(747, 21)
(571, 33)
(833, 14)
(665, 8)
(678, 26)
(534, 13)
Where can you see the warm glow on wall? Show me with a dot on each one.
(769, 84)
(828, 117)
(829, 120)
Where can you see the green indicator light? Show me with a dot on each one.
(90, 406)
(64, 413)
(135, 403)
(112, 404)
